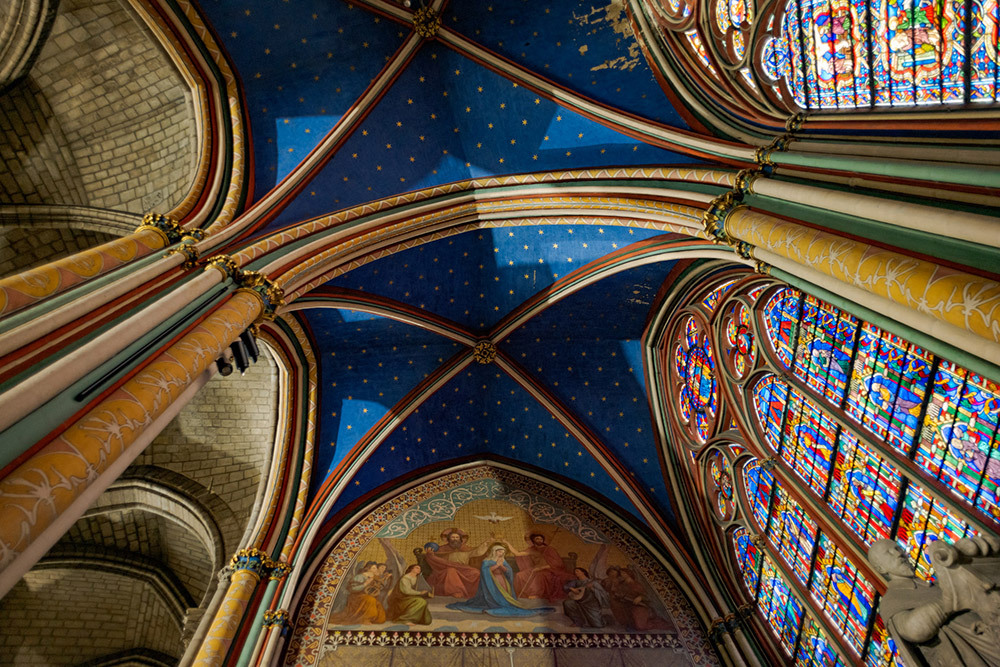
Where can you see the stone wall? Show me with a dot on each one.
(102, 119)
(22, 248)
(65, 617)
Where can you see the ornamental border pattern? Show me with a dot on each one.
(308, 641)
(499, 639)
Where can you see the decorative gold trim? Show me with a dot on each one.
(272, 295)
(275, 618)
(225, 264)
(484, 352)
(426, 22)
(167, 228)
(189, 252)
(501, 639)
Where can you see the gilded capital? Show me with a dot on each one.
(167, 228)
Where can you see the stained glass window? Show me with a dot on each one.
(844, 54)
(748, 556)
(896, 442)
(781, 322)
(959, 443)
(780, 608)
(864, 490)
(924, 520)
(793, 533)
(740, 339)
(888, 386)
(695, 365)
(759, 484)
(814, 648)
(843, 594)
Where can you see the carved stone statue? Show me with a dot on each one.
(957, 621)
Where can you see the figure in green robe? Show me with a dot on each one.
(406, 603)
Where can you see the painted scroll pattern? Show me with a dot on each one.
(34, 495)
(963, 300)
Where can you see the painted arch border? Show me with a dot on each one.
(330, 562)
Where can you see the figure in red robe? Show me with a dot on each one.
(451, 572)
(541, 571)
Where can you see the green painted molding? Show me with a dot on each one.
(936, 172)
(949, 249)
(20, 436)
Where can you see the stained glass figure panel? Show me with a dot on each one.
(759, 483)
(793, 533)
(959, 440)
(841, 592)
(770, 396)
(864, 489)
(825, 345)
(881, 650)
(808, 439)
(888, 385)
(984, 49)
(780, 608)
(748, 555)
(924, 520)
(711, 301)
(781, 317)
(814, 648)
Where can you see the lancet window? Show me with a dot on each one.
(811, 433)
(842, 54)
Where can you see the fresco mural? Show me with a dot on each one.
(490, 551)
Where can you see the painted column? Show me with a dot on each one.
(264, 615)
(248, 565)
(30, 287)
(960, 308)
(38, 491)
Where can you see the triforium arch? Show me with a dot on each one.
(808, 433)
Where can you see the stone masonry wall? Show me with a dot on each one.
(65, 617)
(103, 119)
(222, 438)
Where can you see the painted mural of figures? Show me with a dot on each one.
(362, 606)
(631, 605)
(407, 604)
(495, 595)
(586, 600)
(541, 572)
(452, 574)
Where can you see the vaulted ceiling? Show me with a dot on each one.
(564, 298)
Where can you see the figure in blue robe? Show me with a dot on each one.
(495, 595)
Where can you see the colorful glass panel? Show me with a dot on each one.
(814, 648)
(984, 51)
(888, 385)
(915, 47)
(781, 318)
(959, 440)
(739, 335)
(779, 607)
(924, 520)
(825, 345)
(864, 490)
(881, 648)
(748, 556)
(841, 592)
(759, 483)
(793, 533)
(769, 398)
(711, 301)
(694, 364)
(694, 39)
(808, 441)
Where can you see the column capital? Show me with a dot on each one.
(275, 618)
(164, 226)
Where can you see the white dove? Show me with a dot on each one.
(493, 518)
